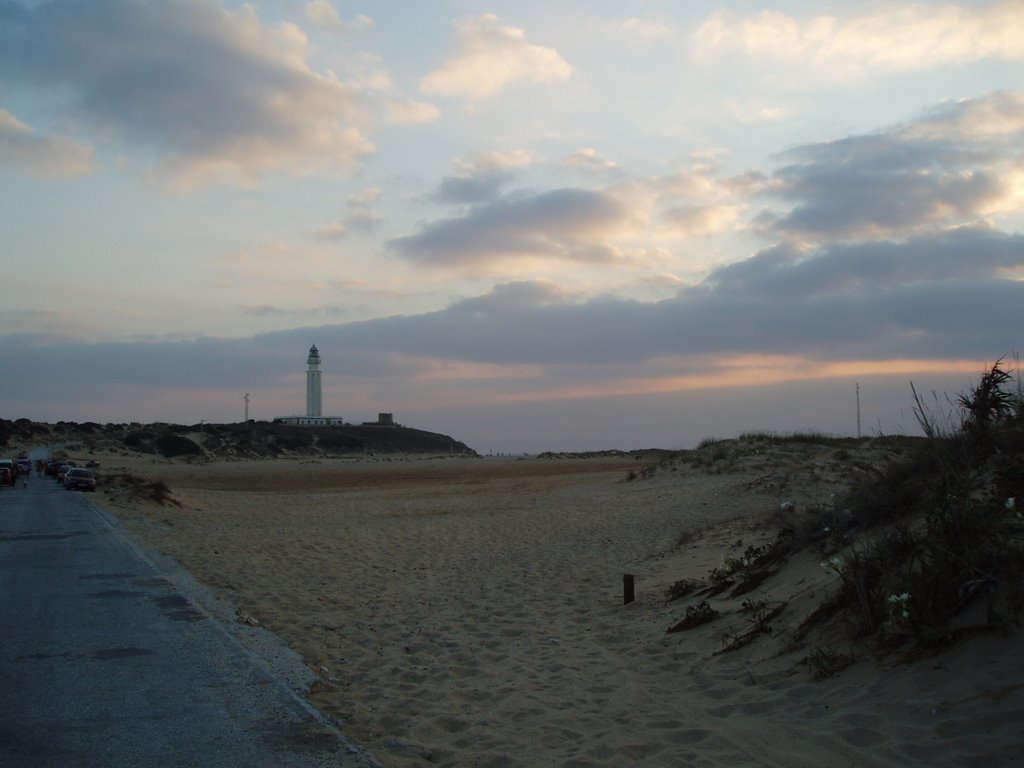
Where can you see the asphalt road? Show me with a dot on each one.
(105, 661)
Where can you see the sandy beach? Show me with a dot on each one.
(469, 612)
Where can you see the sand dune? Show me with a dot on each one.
(468, 612)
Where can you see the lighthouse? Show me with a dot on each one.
(313, 384)
(314, 413)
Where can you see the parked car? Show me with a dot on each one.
(6, 477)
(62, 469)
(79, 480)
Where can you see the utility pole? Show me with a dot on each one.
(246, 398)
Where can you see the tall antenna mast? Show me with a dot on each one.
(247, 408)
(858, 410)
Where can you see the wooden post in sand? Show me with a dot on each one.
(628, 593)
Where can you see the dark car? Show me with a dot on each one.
(79, 480)
(6, 478)
(62, 469)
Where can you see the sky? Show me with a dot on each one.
(573, 225)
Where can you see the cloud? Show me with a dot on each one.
(588, 158)
(323, 14)
(334, 230)
(754, 112)
(215, 94)
(611, 225)
(955, 165)
(947, 296)
(44, 324)
(47, 156)
(699, 220)
(477, 188)
(882, 38)
(647, 30)
(360, 215)
(365, 196)
(688, 204)
(409, 112)
(787, 272)
(996, 119)
(491, 57)
(480, 177)
(361, 211)
(941, 296)
(495, 161)
(561, 224)
(517, 295)
(295, 313)
(958, 165)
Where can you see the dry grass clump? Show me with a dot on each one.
(698, 614)
(137, 488)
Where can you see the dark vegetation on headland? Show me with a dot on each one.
(213, 442)
(925, 549)
(250, 440)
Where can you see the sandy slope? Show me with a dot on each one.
(468, 612)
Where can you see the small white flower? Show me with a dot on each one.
(899, 603)
(1011, 503)
(833, 564)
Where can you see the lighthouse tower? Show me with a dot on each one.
(313, 384)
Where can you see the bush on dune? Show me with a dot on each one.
(931, 548)
(952, 534)
(177, 445)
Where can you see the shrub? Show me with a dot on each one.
(682, 588)
(825, 662)
(696, 615)
(140, 440)
(760, 614)
(177, 445)
(338, 441)
(989, 404)
(954, 534)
